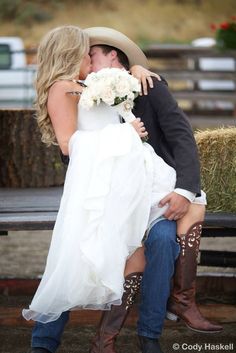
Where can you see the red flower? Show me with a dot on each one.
(213, 27)
(224, 25)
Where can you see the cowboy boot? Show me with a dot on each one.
(181, 304)
(113, 320)
(149, 345)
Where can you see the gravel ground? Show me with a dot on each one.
(77, 340)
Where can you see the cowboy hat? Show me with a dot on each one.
(116, 39)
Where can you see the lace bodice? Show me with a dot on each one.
(97, 117)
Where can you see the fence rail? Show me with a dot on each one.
(17, 87)
(203, 81)
(205, 90)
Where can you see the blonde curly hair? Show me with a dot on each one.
(59, 58)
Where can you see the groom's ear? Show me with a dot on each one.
(113, 54)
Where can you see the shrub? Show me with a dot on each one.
(26, 12)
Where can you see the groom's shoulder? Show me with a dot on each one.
(159, 82)
(160, 90)
(159, 95)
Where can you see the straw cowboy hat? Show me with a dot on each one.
(109, 36)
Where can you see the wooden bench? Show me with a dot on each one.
(36, 209)
(28, 209)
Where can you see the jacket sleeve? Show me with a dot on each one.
(179, 136)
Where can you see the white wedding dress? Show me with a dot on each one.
(112, 188)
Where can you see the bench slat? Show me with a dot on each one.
(30, 199)
(36, 209)
(27, 221)
(215, 225)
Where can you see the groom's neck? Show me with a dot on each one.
(116, 64)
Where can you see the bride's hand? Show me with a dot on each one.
(138, 125)
(144, 76)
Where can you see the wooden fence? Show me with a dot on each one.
(203, 80)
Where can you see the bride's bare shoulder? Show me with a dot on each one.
(63, 87)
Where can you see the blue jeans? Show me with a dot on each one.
(49, 335)
(161, 251)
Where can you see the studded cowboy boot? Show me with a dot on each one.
(113, 320)
(182, 303)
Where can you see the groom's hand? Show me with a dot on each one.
(178, 206)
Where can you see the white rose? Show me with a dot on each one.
(122, 88)
(96, 89)
(135, 86)
(86, 100)
(131, 96)
(107, 81)
(108, 96)
(90, 79)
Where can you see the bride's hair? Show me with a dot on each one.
(59, 58)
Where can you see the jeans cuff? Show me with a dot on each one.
(47, 344)
(148, 334)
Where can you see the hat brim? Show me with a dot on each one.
(109, 36)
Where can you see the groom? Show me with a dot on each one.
(171, 137)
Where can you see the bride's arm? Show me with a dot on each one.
(62, 109)
(144, 76)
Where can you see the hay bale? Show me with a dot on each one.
(217, 149)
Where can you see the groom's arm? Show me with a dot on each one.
(179, 136)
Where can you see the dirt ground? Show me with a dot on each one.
(77, 340)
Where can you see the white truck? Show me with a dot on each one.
(16, 77)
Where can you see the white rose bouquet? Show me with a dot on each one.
(115, 87)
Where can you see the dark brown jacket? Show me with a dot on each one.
(170, 134)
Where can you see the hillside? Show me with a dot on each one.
(176, 21)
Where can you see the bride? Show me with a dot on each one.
(104, 209)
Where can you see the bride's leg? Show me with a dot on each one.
(196, 213)
(112, 320)
(182, 300)
(136, 262)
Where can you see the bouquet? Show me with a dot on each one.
(114, 87)
(226, 34)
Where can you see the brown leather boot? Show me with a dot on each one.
(182, 303)
(113, 320)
